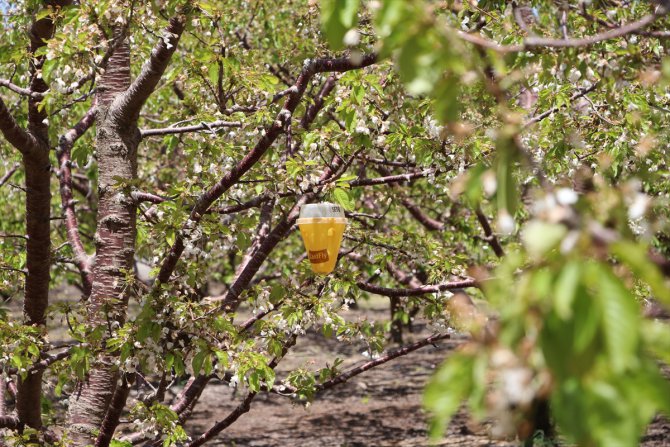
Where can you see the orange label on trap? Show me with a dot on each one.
(317, 257)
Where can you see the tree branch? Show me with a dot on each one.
(424, 219)
(246, 403)
(543, 42)
(14, 134)
(488, 232)
(418, 291)
(393, 178)
(310, 68)
(313, 109)
(20, 90)
(553, 110)
(3, 391)
(64, 174)
(247, 270)
(217, 428)
(185, 129)
(140, 196)
(113, 414)
(10, 172)
(128, 105)
(402, 277)
(341, 378)
(11, 422)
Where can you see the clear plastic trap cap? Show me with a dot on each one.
(319, 210)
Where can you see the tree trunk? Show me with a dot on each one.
(38, 198)
(116, 145)
(396, 324)
(38, 214)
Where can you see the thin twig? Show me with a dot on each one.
(186, 129)
(5, 178)
(341, 378)
(543, 42)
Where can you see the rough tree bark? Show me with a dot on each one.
(116, 146)
(38, 198)
(117, 140)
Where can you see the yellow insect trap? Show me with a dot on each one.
(321, 227)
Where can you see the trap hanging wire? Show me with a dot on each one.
(322, 226)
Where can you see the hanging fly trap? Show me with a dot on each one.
(322, 226)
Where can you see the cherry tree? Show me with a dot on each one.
(513, 152)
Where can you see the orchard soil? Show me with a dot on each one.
(381, 407)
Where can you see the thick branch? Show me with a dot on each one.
(189, 395)
(65, 144)
(217, 428)
(402, 277)
(424, 219)
(20, 90)
(140, 196)
(246, 272)
(313, 109)
(11, 422)
(246, 403)
(418, 291)
(14, 134)
(129, 104)
(3, 391)
(113, 415)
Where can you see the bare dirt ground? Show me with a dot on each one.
(381, 407)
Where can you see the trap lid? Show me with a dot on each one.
(324, 209)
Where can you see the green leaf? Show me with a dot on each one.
(254, 381)
(276, 293)
(80, 153)
(390, 14)
(566, 288)
(447, 105)
(43, 13)
(243, 240)
(358, 93)
(47, 67)
(636, 258)
(338, 17)
(656, 336)
(223, 358)
(417, 65)
(447, 389)
(540, 237)
(507, 192)
(343, 198)
(198, 361)
(115, 443)
(620, 320)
